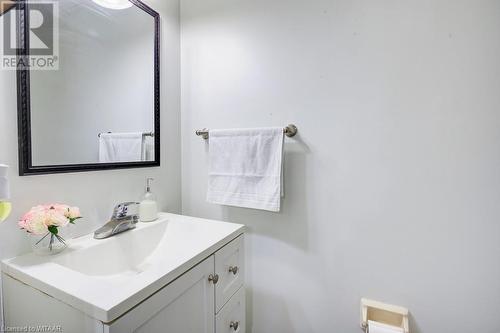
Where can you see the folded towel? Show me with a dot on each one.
(120, 147)
(245, 168)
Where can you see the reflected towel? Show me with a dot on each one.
(245, 168)
(148, 148)
(120, 147)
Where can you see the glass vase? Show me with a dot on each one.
(48, 244)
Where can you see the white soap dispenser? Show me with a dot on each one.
(148, 209)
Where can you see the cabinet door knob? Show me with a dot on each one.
(234, 325)
(233, 269)
(213, 278)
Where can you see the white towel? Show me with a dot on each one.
(148, 148)
(120, 147)
(245, 168)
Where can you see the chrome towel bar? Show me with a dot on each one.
(151, 134)
(290, 131)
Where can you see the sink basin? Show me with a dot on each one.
(125, 253)
(105, 278)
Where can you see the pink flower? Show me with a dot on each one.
(54, 217)
(28, 216)
(22, 224)
(59, 207)
(37, 225)
(73, 213)
(43, 218)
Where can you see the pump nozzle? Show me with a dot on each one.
(148, 184)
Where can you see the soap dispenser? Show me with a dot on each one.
(148, 209)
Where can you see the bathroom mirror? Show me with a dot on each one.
(93, 103)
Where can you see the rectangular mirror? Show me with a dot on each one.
(98, 105)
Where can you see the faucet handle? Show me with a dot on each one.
(121, 210)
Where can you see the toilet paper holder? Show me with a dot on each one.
(383, 313)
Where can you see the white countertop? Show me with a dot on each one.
(106, 278)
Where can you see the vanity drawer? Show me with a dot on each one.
(231, 317)
(229, 266)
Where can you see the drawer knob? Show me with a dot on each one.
(213, 278)
(233, 269)
(234, 325)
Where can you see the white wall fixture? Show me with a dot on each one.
(5, 205)
(381, 317)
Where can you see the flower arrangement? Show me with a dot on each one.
(45, 220)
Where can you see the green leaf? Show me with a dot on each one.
(53, 229)
(72, 221)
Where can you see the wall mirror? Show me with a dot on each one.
(100, 107)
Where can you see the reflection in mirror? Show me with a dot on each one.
(101, 105)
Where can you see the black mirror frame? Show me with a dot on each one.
(26, 167)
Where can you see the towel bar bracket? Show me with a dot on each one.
(290, 131)
(203, 133)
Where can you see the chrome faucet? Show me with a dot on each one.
(121, 220)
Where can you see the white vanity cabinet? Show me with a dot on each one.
(200, 293)
(188, 304)
(185, 305)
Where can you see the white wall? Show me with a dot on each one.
(392, 187)
(96, 193)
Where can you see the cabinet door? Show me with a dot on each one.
(185, 305)
(231, 318)
(26, 307)
(229, 266)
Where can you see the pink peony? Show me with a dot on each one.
(44, 218)
(28, 218)
(36, 225)
(59, 207)
(54, 217)
(74, 213)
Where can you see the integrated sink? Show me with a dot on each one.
(105, 278)
(130, 252)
